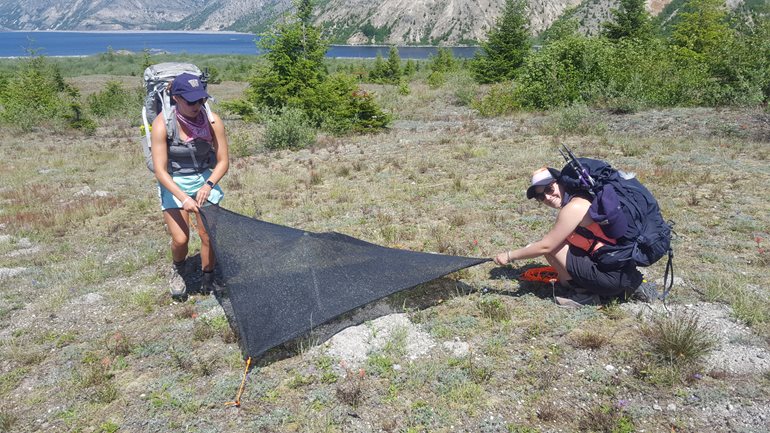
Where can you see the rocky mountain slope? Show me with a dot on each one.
(345, 21)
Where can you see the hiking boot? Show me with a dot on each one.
(176, 283)
(207, 282)
(577, 300)
(646, 292)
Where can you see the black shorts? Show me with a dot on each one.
(586, 275)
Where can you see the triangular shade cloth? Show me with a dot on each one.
(282, 281)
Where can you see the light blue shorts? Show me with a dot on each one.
(190, 184)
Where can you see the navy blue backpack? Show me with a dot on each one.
(625, 210)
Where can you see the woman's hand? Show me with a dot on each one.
(202, 195)
(190, 205)
(503, 258)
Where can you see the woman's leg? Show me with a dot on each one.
(208, 261)
(558, 260)
(178, 223)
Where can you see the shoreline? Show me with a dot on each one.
(228, 32)
(202, 32)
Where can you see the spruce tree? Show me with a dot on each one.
(394, 65)
(295, 77)
(508, 43)
(295, 53)
(410, 68)
(443, 61)
(630, 20)
(379, 71)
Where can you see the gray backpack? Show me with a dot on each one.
(157, 83)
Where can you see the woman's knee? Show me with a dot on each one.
(180, 239)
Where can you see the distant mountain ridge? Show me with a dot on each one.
(344, 21)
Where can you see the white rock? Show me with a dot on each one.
(457, 348)
(90, 298)
(86, 190)
(10, 272)
(609, 367)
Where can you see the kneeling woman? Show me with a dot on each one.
(188, 167)
(566, 249)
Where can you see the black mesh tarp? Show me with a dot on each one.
(282, 282)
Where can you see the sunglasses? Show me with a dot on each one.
(198, 102)
(540, 196)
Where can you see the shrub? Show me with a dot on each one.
(462, 86)
(241, 144)
(564, 72)
(114, 101)
(339, 106)
(436, 79)
(36, 94)
(577, 119)
(289, 129)
(245, 109)
(498, 101)
(647, 71)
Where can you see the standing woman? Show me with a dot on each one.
(196, 159)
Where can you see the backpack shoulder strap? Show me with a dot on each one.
(172, 127)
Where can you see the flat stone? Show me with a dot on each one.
(10, 272)
(457, 348)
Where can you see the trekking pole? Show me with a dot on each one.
(582, 173)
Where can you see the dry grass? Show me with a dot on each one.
(443, 179)
(679, 338)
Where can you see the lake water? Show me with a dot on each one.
(14, 44)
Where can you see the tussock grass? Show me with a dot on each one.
(7, 421)
(350, 388)
(679, 340)
(590, 340)
(493, 308)
(605, 418)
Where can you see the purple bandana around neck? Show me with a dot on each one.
(196, 128)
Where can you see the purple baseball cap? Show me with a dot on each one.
(190, 87)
